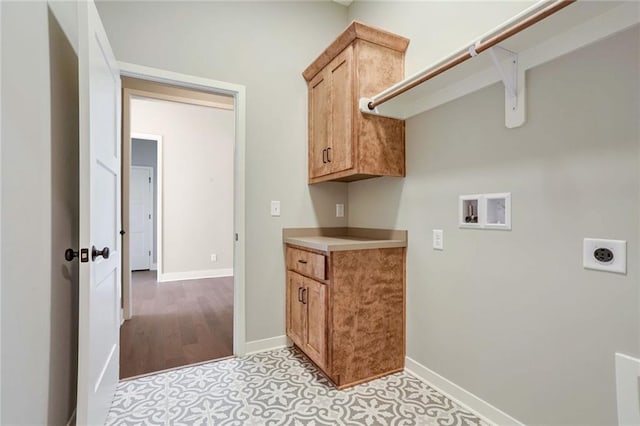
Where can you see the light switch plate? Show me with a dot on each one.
(339, 210)
(275, 208)
(438, 239)
(605, 255)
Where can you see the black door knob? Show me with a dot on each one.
(95, 253)
(69, 254)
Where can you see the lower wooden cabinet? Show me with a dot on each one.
(296, 310)
(307, 316)
(347, 312)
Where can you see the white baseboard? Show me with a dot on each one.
(195, 275)
(269, 344)
(153, 267)
(460, 395)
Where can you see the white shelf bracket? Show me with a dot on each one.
(512, 76)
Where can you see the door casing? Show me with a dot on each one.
(238, 92)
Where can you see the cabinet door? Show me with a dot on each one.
(315, 301)
(296, 310)
(319, 125)
(340, 151)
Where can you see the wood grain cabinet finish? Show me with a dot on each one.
(344, 144)
(296, 313)
(351, 325)
(307, 263)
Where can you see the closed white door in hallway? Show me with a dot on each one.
(140, 211)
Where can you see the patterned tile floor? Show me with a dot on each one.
(279, 387)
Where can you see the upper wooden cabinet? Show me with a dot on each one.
(344, 144)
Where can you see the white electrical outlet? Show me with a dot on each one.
(605, 255)
(214, 257)
(275, 208)
(438, 239)
(339, 210)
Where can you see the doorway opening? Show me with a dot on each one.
(180, 249)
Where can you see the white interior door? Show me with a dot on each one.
(140, 218)
(99, 294)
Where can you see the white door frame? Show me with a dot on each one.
(239, 94)
(149, 234)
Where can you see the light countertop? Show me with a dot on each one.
(341, 239)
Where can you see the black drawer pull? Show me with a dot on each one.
(304, 293)
(304, 262)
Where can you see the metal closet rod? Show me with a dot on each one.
(496, 37)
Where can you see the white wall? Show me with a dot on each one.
(264, 46)
(512, 316)
(145, 153)
(197, 182)
(39, 216)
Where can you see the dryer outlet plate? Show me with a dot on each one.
(605, 255)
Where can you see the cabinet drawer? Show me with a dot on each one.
(306, 262)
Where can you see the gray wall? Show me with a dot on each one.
(512, 316)
(65, 210)
(39, 214)
(522, 326)
(264, 46)
(145, 153)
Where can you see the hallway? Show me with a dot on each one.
(176, 323)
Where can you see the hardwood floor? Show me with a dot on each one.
(176, 323)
